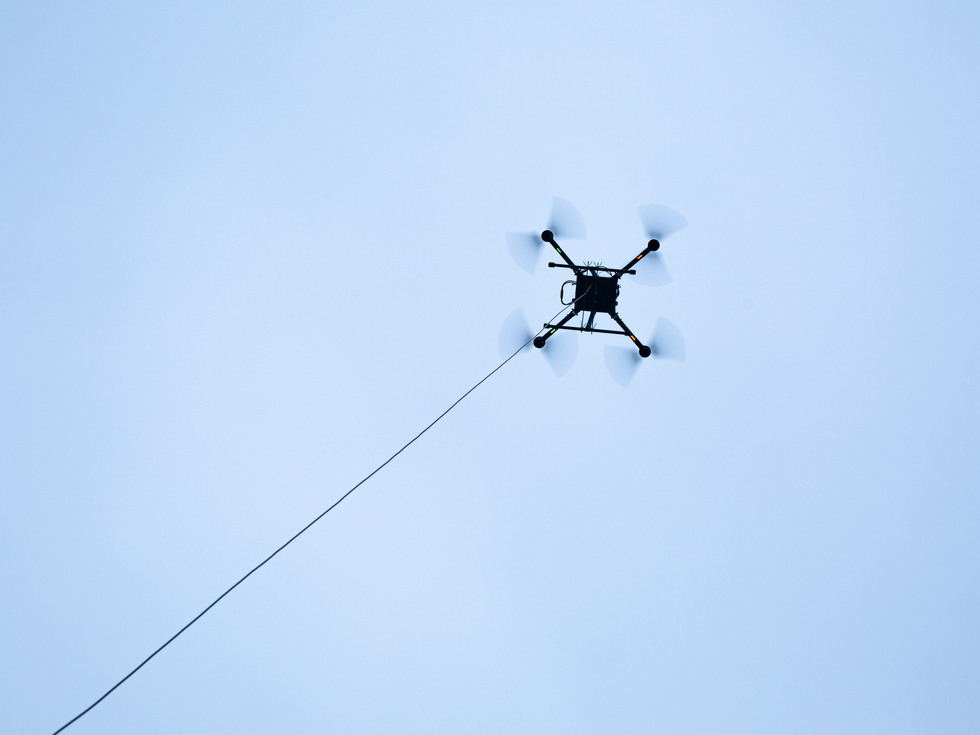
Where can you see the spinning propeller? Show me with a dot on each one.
(515, 331)
(665, 343)
(564, 223)
(659, 223)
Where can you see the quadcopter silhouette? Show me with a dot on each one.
(597, 288)
(595, 293)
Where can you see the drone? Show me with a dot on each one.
(597, 288)
(594, 293)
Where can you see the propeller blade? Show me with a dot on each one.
(622, 363)
(560, 351)
(514, 332)
(525, 248)
(667, 342)
(660, 221)
(651, 271)
(565, 222)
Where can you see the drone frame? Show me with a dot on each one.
(594, 294)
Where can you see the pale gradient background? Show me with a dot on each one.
(248, 250)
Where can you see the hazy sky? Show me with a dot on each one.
(249, 250)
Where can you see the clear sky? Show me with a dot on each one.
(249, 250)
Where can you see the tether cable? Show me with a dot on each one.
(299, 533)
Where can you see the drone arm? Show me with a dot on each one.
(549, 237)
(552, 328)
(651, 246)
(644, 350)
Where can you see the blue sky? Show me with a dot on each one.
(250, 250)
